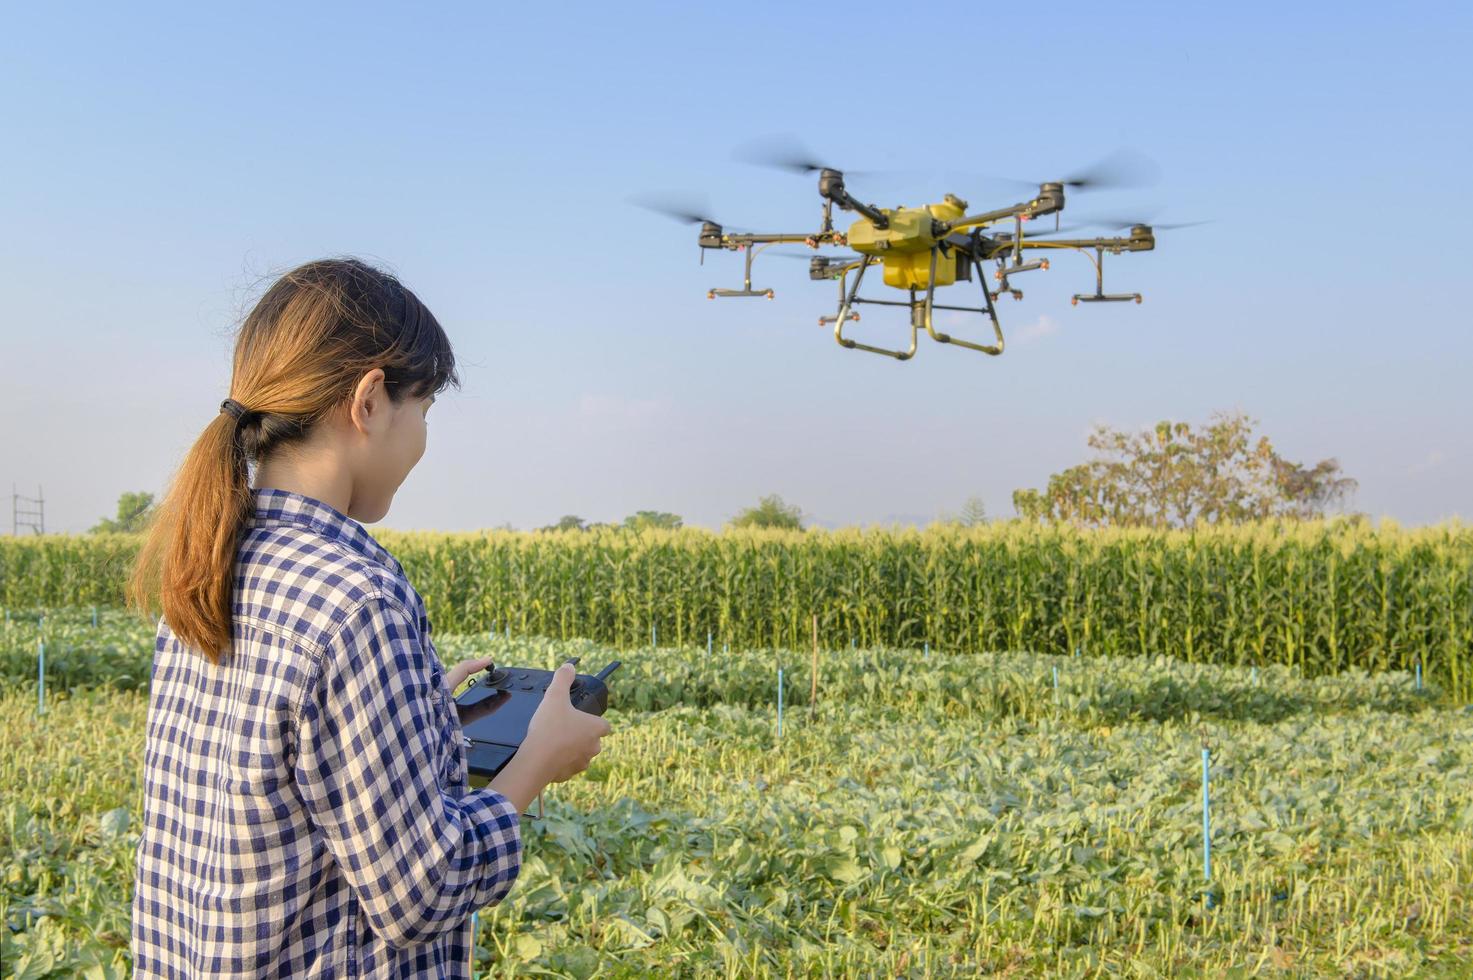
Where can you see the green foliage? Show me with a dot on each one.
(568, 522)
(1322, 596)
(135, 510)
(644, 519)
(770, 513)
(944, 817)
(1175, 477)
(972, 514)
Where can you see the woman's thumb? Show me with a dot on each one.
(562, 679)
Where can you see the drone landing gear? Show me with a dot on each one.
(1100, 295)
(920, 313)
(746, 289)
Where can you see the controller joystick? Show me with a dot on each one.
(496, 676)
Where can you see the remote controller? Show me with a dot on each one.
(498, 705)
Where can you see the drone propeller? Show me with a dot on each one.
(1120, 221)
(682, 210)
(1123, 168)
(1030, 233)
(809, 256)
(787, 152)
(1180, 224)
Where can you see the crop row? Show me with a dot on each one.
(1319, 596)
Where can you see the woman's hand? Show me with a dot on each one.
(561, 741)
(456, 675)
(564, 738)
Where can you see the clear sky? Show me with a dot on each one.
(160, 161)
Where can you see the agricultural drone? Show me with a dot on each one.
(924, 248)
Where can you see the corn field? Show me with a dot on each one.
(1317, 596)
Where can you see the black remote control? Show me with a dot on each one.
(497, 706)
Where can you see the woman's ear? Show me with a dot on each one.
(370, 400)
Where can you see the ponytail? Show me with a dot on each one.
(298, 357)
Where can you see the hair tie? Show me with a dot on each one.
(236, 410)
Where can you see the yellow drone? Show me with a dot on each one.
(922, 248)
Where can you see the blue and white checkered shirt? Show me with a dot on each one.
(305, 807)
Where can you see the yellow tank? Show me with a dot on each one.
(905, 245)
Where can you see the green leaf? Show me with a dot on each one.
(114, 822)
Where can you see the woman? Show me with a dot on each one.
(305, 803)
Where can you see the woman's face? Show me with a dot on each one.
(394, 444)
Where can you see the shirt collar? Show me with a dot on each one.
(287, 507)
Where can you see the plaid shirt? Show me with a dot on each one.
(305, 807)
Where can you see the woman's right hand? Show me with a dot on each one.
(561, 741)
(563, 738)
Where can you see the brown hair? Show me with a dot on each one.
(299, 355)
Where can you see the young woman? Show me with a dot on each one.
(305, 805)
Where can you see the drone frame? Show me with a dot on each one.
(920, 310)
(975, 247)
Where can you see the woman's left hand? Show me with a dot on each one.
(456, 675)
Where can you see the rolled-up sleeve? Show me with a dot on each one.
(419, 859)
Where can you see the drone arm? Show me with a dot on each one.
(737, 241)
(753, 244)
(983, 218)
(831, 188)
(1132, 244)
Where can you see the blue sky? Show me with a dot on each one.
(162, 163)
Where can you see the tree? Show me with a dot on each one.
(135, 510)
(973, 514)
(770, 512)
(1173, 476)
(568, 522)
(642, 519)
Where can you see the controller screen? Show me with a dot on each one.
(499, 718)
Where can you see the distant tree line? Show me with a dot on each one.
(1169, 476)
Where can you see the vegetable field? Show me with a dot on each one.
(1317, 596)
(935, 813)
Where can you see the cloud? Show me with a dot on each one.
(1042, 327)
(1434, 459)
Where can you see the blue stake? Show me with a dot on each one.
(94, 617)
(779, 702)
(1253, 675)
(1419, 673)
(1206, 822)
(1056, 683)
(708, 644)
(1076, 651)
(928, 649)
(726, 648)
(40, 677)
(852, 644)
(654, 642)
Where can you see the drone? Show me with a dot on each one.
(922, 249)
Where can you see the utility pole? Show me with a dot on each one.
(27, 512)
